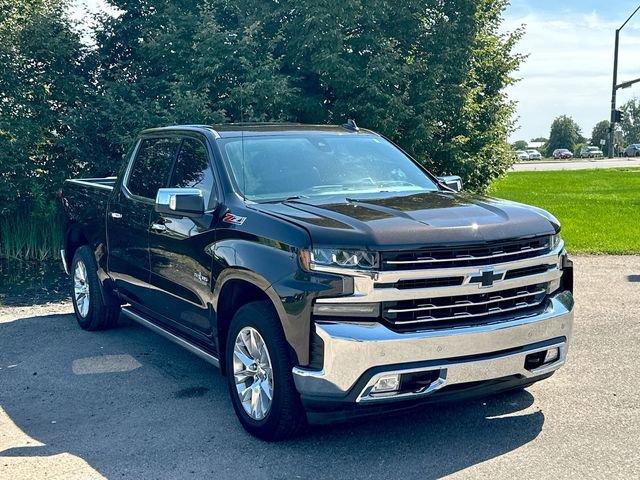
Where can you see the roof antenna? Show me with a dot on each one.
(351, 125)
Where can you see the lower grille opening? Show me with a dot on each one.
(417, 381)
(534, 360)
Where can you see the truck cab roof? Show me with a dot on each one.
(255, 129)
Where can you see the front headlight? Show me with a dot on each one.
(319, 258)
(554, 241)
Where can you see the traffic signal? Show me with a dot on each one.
(618, 116)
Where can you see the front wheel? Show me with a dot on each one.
(258, 368)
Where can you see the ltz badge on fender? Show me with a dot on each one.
(234, 219)
(200, 277)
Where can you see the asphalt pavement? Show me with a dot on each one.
(128, 404)
(550, 165)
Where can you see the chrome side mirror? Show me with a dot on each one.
(187, 202)
(454, 182)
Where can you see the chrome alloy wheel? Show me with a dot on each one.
(252, 373)
(81, 288)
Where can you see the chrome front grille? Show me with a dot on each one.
(467, 255)
(462, 310)
(473, 291)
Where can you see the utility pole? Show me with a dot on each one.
(615, 115)
(614, 89)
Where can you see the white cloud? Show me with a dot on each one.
(569, 69)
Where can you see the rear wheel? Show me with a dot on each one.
(87, 294)
(258, 368)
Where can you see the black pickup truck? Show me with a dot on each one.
(324, 271)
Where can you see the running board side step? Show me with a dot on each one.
(203, 354)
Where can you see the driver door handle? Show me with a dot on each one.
(158, 227)
(115, 215)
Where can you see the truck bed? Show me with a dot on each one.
(85, 202)
(103, 183)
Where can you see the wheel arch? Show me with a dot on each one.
(74, 238)
(237, 287)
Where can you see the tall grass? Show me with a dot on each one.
(28, 237)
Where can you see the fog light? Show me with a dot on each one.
(552, 355)
(387, 383)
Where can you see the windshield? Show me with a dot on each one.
(310, 165)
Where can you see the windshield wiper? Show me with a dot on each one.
(292, 197)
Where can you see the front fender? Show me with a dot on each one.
(263, 264)
(274, 269)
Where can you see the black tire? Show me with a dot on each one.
(286, 417)
(99, 315)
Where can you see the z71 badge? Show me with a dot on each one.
(235, 219)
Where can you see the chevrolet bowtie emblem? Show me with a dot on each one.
(487, 278)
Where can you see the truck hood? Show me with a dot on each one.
(412, 221)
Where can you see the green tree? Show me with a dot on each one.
(565, 133)
(600, 134)
(520, 145)
(430, 74)
(42, 82)
(630, 124)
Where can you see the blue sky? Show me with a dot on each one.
(569, 68)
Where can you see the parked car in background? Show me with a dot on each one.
(591, 152)
(522, 155)
(632, 150)
(562, 153)
(533, 154)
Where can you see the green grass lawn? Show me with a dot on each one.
(599, 209)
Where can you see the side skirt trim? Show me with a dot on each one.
(206, 356)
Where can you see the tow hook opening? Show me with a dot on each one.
(418, 381)
(543, 357)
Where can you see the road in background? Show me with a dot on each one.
(548, 165)
(126, 403)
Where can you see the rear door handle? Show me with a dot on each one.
(115, 215)
(158, 227)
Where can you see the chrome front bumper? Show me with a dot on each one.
(356, 353)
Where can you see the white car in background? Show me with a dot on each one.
(534, 154)
(522, 155)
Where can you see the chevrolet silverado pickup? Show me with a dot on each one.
(322, 269)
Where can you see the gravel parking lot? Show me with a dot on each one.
(128, 404)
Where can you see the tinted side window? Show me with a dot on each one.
(192, 168)
(152, 166)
